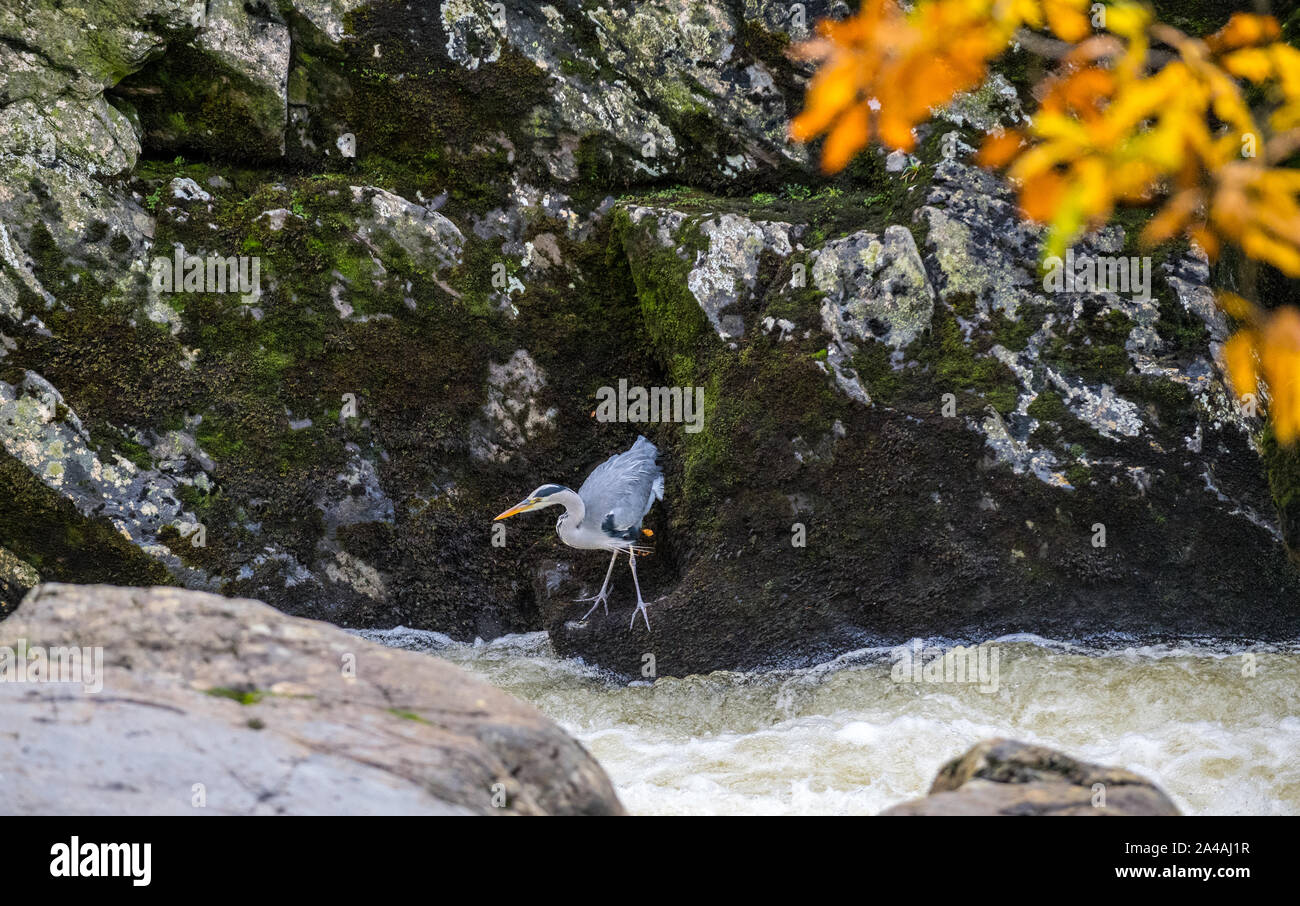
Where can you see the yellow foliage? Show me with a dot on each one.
(884, 70)
(1114, 128)
(1269, 352)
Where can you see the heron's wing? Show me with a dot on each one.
(620, 491)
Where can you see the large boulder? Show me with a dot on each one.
(1005, 777)
(227, 705)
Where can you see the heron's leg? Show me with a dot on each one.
(601, 597)
(640, 604)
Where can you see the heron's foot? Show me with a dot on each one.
(602, 598)
(640, 608)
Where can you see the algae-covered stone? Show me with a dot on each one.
(16, 579)
(424, 234)
(690, 93)
(37, 428)
(875, 288)
(513, 414)
(727, 270)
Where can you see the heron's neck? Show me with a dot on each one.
(574, 510)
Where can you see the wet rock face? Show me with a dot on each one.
(271, 715)
(1005, 777)
(469, 218)
(997, 453)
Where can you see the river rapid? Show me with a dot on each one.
(1217, 727)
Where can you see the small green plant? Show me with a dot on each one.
(244, 697)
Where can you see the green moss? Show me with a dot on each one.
(675, 323)
(1183, 331)
(750, 434)
(581, 68)
(1078, 475)
(1059, 428)
(956, 368)
(114, 366)
(423, 122)
(872, 364)
(1172, 403)
(417, 375)
(186, 100)
(1014, 335)
(243, 696)
(407, 715)
(1047, 407)
(1196, 17)
(1092, 347)
(785, 298)
(125, 446)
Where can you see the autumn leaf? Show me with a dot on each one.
(999, 148)
(1244, 29)
(1242, 365)
(1279, 356)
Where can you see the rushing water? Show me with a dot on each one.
(847, 738)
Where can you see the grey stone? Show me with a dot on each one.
(270, 714)
(1005, 777)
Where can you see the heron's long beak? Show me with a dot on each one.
(521, 507)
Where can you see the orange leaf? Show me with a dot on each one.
(1280, 359)
(1042, 195)
(1244, 29)
(896, 130)
(1239, 357)
(999, 148)
(1234, 306)
(848, 137)
(833, 89)
(1065, 19)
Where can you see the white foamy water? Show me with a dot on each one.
(845, 738)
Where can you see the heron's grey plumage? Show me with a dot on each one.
(607, 511)
(620, 491)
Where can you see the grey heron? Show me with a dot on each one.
(606, 512)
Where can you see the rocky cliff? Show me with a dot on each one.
(465, 219)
